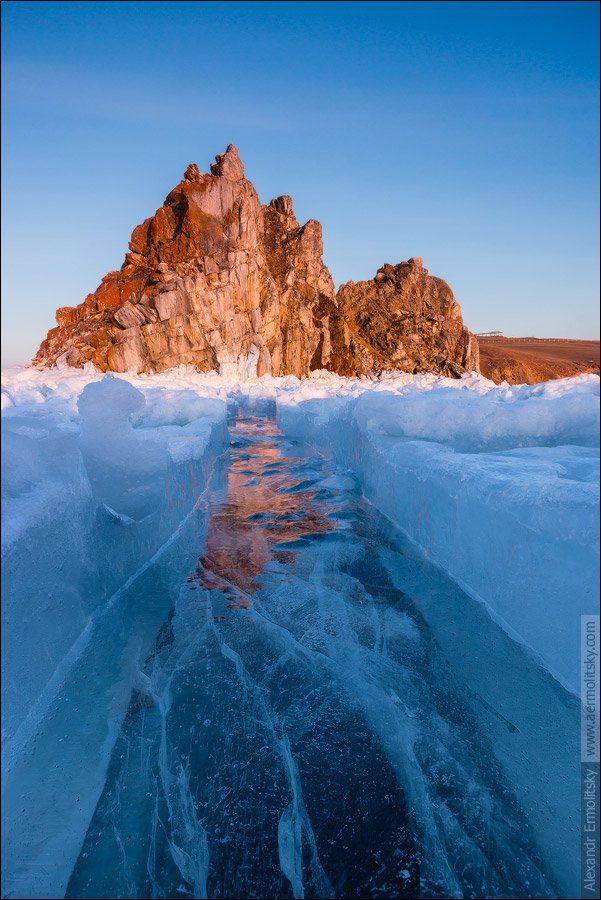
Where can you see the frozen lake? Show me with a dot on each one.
(326, 714)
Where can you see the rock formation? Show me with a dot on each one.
(216, 280)
(405, 319)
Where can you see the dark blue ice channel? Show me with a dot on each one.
(322, 714)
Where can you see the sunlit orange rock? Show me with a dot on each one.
(216, 280)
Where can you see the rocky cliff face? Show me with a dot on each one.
(218, 281)
(405, 319)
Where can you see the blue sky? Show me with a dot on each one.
(466, 133)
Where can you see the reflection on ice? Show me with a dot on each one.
(266, 504)
(319, 718)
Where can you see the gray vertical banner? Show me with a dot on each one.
(589, 758)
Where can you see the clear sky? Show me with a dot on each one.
(466, 133)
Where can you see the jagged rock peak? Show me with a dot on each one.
(216, 280)
(283, 204)
(192, 173)
(228, 164)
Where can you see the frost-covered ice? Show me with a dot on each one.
(107, 485)
(102, 508)
(497, 485)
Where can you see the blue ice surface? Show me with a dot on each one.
(264, 687)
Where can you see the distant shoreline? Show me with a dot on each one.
(502, 338)
(530, 359)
